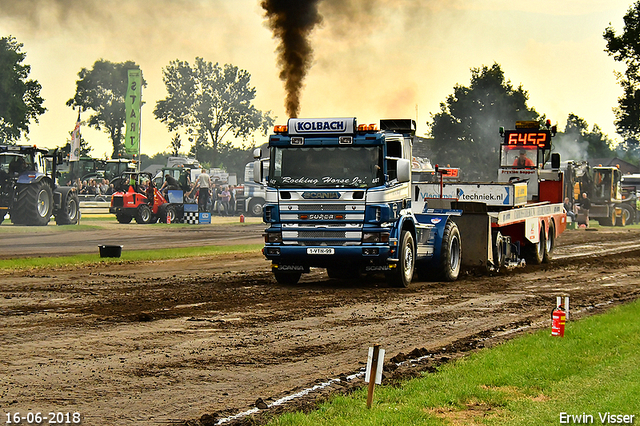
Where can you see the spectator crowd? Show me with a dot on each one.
(210, 195)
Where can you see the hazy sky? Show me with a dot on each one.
(372, 58)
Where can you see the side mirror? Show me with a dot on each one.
(257, 153)
(555, 160)
(404, 170)
(257, 171)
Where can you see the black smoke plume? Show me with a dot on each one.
(292, 22)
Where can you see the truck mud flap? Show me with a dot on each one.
(475, 234)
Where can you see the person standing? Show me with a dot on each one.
(585, 206)
(203, 183)
(225, 197)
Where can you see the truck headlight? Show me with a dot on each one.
(375, 237)
(273, 237)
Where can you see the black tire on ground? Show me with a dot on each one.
(451, 253)
(402, 275)
(550, 243)
(608, 221)
(167, 210)
(34, 204)
(287, 278)
(498, 251)
(626, 218)
(143, 214)
(123, 218)
(535, 251)
(68, 213)
(255, 207)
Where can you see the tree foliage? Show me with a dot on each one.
(20, 100)
(466, 130)
(176, 144)
(102, 90)
(625, 48)
(211, 102)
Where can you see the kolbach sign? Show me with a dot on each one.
(310, 126)
(132, 108)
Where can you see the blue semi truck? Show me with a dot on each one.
(339, 196)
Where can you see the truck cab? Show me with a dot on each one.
(337, 196)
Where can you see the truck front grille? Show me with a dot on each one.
(322, 207)
(321, 234)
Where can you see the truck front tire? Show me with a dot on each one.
(255, 207)
(287, 278)
(403, 273)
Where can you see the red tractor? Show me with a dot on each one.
(138, 197)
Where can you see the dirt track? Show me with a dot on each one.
(168, 341)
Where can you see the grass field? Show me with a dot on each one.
(588, 376)
(127, 256)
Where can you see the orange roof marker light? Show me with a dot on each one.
(367, 127)
(280, 128)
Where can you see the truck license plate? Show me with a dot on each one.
(323, 250)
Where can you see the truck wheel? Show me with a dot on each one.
(34, 204)
(68, 213)
(287, 278)
(550, 243)
(625, 217)
(498, 251)
(535, 252)
(403, 273)
(123, 218)
(255, 207)
(451, 253)
(143, 214)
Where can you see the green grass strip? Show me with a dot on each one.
(532, 380)
(127, 256)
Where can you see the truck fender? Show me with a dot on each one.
(439, 223)
(404, 222)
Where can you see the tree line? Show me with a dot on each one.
(212, 103)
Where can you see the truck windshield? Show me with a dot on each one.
(518, 157)
(326, 167)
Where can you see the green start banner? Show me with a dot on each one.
(132, 107)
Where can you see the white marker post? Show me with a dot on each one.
(375, 362)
